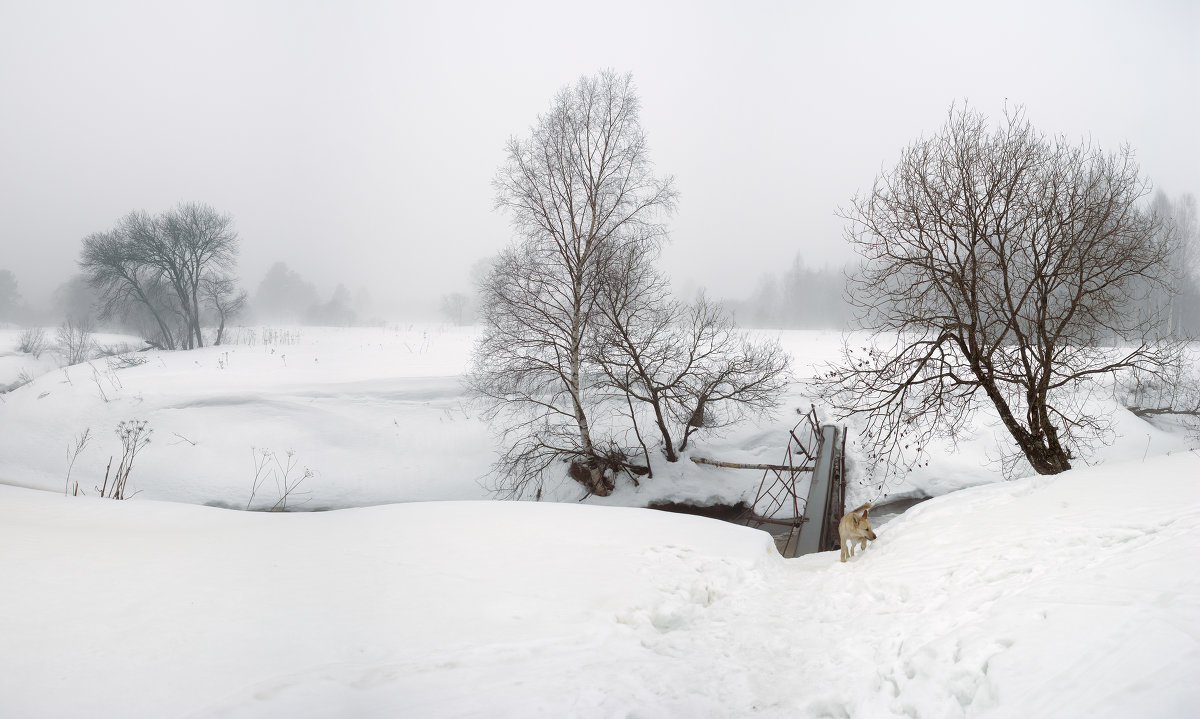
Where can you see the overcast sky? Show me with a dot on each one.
(356, 141)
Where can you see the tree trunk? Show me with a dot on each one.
(575, 389)
(162, 325)
(1045, 460)
(196, 318)
(1041, 447)
(668, 444)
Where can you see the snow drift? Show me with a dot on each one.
(1073, 595)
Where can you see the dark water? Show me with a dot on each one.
(883, 513)
(879, 515)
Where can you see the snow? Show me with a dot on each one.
(1068, 596)
(375, 413)
(1073, 595)
(379, 415)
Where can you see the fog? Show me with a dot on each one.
(356, 142)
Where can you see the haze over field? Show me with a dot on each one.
(293, 292)
(357, 142)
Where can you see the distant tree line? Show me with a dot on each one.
(284, 296)
(12, 307)
(800, 297)
(1181, 298)
(804, 297)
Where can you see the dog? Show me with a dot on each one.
(854, 527)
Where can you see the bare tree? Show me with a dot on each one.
(1004, 268)
(159, 264)
(454, 306)
(688, 364)
(123, 282)
(732, 377)
(75, 342)
(220, 293)
(32, 341)
(580, 185)
(185, 245)
(11, 305)
(639, 349)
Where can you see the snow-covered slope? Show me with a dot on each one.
(1071, 596)
(380, 414)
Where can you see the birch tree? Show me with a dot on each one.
(579, 188)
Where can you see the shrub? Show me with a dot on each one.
(75, 342)
(32, 341)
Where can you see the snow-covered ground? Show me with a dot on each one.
(1067, 596)
(378, 415)
(1072, 596)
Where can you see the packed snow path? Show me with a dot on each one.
(1076, 595)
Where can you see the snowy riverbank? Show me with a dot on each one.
(1065, 596)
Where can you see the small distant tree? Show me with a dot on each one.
(283, 295)
(32, 340)
(1000, 267)
(75, 342)
(10, 296)
(75, 299)
(454, 306)
(363, 306)
(337, 312)
(222, 296)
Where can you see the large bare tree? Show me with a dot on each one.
(578, 188)
(161, 264)
(125, 285)
(187, 244)
(1001, 267)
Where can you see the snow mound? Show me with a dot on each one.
(1067, 596)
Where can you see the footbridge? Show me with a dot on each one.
(801, 499)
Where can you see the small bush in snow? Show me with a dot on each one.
(268, 465)
(113, 350)
(134, 435)
(75, 342)
(32, 341)
(73, 451)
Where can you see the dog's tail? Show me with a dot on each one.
(861, 508)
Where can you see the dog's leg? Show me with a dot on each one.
(843, 550)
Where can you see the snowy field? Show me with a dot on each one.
(1074, 595)
(378, 415)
